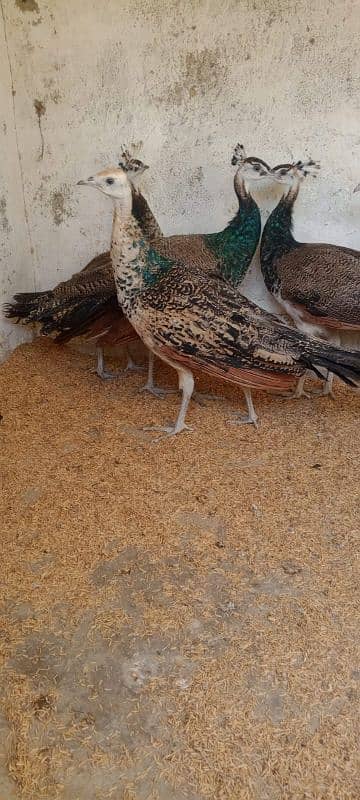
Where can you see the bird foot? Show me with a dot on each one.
(238, 419)
(323, 392)
(156, 391)
(132, 367)
(106, 374)
(168, 430)
(295, 395)
(200, 398)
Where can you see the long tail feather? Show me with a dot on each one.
(343, 363)
(27, 307)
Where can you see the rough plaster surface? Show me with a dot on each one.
(182, 82)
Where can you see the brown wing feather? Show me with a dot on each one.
(112, 328)
(324, 281)
(203, 322)
(200, 317)
(102, 261)
(248, 378)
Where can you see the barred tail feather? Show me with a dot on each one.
(28, 306)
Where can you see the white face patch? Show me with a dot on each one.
(112, 181)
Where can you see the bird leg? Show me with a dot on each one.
(107, 374)
(131, 366)
(251, 417)
(186, 384)
(150, 385)
(298, 391)
(100, 369)
(326, 389)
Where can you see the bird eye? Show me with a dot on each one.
(109, 181)
(257, 167)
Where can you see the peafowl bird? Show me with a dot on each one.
(318, 285)
(86, 304)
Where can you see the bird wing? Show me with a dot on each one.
(186, 249)
(102, 261)
(324, 280)
(204, 322)
(94, 279)
(105, 321)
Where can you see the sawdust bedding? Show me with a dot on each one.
(180, 619)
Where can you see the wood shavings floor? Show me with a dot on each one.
(180, 619)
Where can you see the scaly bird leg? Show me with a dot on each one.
(131, 366)
(298, 391)
(107, 374)
(150, 385)
(101, 371)
(251, 418)
(327, 387)
(186, 384)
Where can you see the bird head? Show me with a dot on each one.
(132, 166)
(251, 168)
(112, 181)
(288, 173)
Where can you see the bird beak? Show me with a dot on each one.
(357, 188)
(275, 177)
(89, 182)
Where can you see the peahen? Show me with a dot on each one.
(195, 321)
(86, 304)
(318, 285)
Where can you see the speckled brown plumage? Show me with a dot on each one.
(325, 280)
(200, 322)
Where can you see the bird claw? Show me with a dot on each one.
(156, 391)
(106, 374)
(296, 395)
(324, 392)
(132, 367)
(240, 420)
(200, 398)
(168, 430)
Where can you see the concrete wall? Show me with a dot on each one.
(181, 81)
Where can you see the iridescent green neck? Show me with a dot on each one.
(277, 239)
(235, 246)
